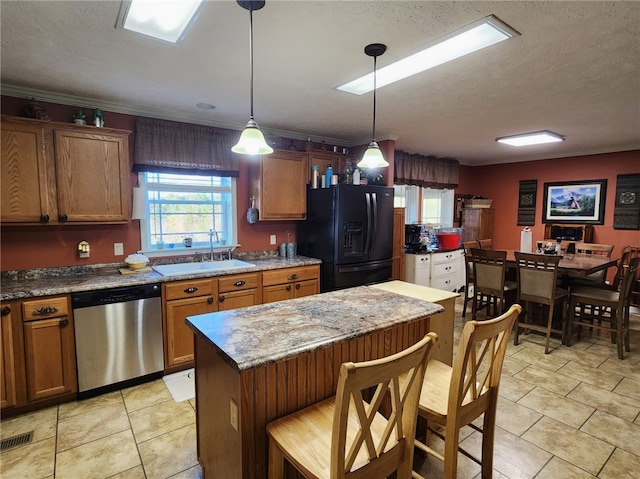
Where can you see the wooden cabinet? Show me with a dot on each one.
(440, 270)
(8, 357)
(278, 182)
(398, 258)
(239, 291)
(322, 158)
(55, 173)
(182, 299)
(290, 283)
(477, 223)
(49, 347)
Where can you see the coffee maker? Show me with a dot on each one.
(412, 238)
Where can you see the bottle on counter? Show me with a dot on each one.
(314, 176)
(356, 176)
(328, 175)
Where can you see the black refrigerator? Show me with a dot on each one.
(350, 228)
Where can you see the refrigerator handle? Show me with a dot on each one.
(374, 201)
(367, 197)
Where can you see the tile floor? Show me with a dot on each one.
(574, 413)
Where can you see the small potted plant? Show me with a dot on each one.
(79, 118)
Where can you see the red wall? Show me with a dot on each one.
(501, 183)
(41, 247)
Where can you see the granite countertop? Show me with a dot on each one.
(48, 281)
(258, 335)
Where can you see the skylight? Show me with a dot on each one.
(474, 37)
(162, 19)
(533, 138)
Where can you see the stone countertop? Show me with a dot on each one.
(258, 335)
(45, 282)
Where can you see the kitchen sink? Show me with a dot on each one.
(201, 267)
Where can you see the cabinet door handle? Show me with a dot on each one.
(297, 285)
(210, 300)
(190, 290)
(44, 218)
(447, 268)
(221, 298)
(62, 218)
(45, 310)
(5, 311)
(64, 323)
(292, 276)
(239, 283)
(288, 288)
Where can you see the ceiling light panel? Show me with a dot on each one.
(474, 37)
(533, 138)
(162, 19)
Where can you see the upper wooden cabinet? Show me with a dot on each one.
(278, 182)
(55, 173)
(323, 158)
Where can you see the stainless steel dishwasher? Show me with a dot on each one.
(118, 337)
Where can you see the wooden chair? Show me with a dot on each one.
(485, 244)
(589, 249)
(347, 437)
(468, 279)
(632, 252)
(603, 309)
(537, 278)
(453, 397)
(490, 286)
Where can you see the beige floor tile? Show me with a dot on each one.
(145, 395)
(558, 383)
(42, 423)
(33, 461)
(80, 407)
(575, 447)
(515, 418)
(629, 387)
(99, 459)
(607, 401)
(560, 408)
(192, 401)
(513, 366)
(432, 468)
(161, 418)
(621, 465)
(512, 456)
(623, 368)
(558, 469)
(616, 431)
(536, 356)
(594, 376)
(191, 473)
(89, 426)
(513, 388)
(580, 356)
(133, 473)
(169, 454)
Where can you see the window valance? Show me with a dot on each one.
(166, 146)
(425, 171)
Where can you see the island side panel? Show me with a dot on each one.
(279, 389)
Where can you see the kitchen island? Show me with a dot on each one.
(256, 364)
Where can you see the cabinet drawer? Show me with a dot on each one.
(237, 282)
(447, 283)
(289, 275)
(447, 256)
(45, 308)
(440, 269)
(189, 289)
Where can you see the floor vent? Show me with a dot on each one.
(16, 441)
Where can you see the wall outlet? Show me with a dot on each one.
(118, 249)
(272, 239)
(233, 410)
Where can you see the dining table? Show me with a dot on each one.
(573, 265)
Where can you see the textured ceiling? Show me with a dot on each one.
(574, 70)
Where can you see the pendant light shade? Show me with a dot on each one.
(372, 157)
(251, 140)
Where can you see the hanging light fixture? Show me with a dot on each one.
(251, 140)
(373, 158)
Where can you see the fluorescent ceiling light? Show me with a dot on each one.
(474, 37)
(534, 138)
(163, 19)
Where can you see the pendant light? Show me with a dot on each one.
(373, 158)
(251, 140)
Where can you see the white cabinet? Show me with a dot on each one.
(440, 270)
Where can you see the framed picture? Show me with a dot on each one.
(579, 202)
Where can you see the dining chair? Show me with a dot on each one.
(490, 285)
(633, 252)
(346, 436)
(468, 279)
(454, 396)
(594, 249)
(485, 244)
(603, 309)
(537, 279)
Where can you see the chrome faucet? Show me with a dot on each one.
(213, 233)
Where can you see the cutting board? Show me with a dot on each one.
(146, 269)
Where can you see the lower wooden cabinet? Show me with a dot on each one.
(281, 284)
(49, 348)
(239, 291)
(8, 357)
(398, 258)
